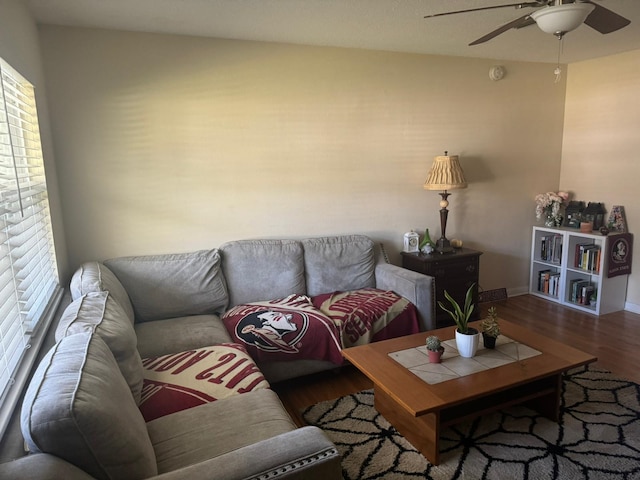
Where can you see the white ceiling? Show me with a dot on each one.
(395, 25)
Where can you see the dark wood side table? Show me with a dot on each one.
(454, 272)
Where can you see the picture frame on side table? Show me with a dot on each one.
(617, 221)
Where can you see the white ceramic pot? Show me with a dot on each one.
(467, 344)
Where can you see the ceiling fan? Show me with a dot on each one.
(553, 16)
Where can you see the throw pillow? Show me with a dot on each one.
(187, 379)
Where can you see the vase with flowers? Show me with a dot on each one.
(548, 207)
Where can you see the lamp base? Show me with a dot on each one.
(443, 246)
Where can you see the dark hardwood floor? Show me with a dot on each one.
(613, 338)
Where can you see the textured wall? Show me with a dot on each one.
(170, 143)
(601, 142)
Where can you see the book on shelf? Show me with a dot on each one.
(587, 257)
(581, 291)
(549, 282)
(551, 248)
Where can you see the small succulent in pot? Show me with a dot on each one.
(490, 328)
(433, 343)
(435, 349)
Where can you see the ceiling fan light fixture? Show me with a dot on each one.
(560, 19)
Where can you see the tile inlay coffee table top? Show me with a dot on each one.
(419, 397)
(418, 409)
(453, 366)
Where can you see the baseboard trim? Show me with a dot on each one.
(514, 292)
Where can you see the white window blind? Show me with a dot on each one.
(28, 270)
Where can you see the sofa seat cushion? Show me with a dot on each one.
(338, 263)
(168, 286)
(198, 434)
(289, 328)
(79, 408)
(187, 379)
(262, 269)
(172, 335)
(99, 312)
(368, 315)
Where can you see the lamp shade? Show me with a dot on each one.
(558, 19)
(445, 174)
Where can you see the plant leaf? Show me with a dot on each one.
(468, 307)
(459, 316)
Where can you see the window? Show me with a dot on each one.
(28, 272)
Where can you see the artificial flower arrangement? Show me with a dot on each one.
(548, 206)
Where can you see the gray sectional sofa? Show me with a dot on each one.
(81, 417)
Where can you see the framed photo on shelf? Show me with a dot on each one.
(617, 221)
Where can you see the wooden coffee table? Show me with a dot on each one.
(419, 410)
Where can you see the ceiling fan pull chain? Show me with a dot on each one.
(558, 70)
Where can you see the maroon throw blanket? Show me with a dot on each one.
(187, 379)
(368, 315)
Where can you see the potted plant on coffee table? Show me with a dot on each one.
(435, 349)
(490, 328)
(466, 337)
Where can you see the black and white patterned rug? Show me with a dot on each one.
(597, 438)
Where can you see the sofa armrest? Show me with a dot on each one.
(42, 466)
(416, 287)
(302, 454)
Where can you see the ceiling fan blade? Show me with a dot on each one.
(604, 20)
(522, 21)
(530, 21)
(517, 5)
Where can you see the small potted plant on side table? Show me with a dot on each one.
(435, 349)
(467, 338)
(490, 328)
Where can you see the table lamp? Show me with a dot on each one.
(445, 174)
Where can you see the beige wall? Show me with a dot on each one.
(20, 48)
(169, 143)
(601, 142)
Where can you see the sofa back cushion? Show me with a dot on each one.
(79, 408)
(339, 263)
(96, 277)
(258, 270)
(176, 285)
(99, 312)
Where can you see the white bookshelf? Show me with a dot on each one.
(562, 272)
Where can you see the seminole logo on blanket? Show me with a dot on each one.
(277, 329)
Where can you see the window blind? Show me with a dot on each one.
(28, 271)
